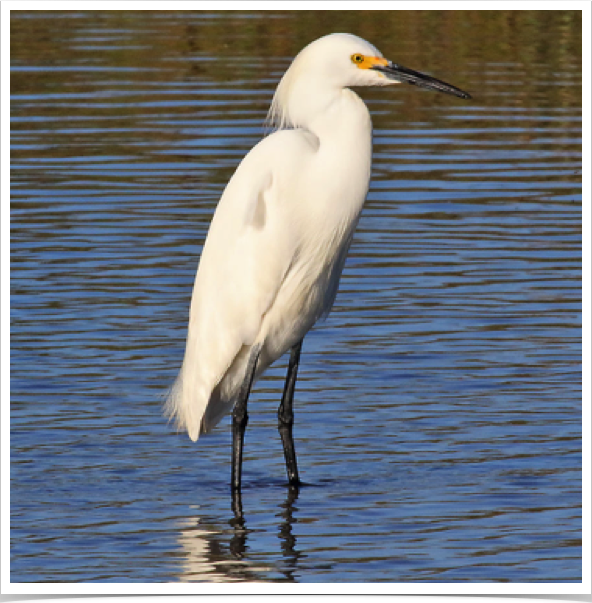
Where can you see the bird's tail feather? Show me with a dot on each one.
(185, 407)
(194, 410)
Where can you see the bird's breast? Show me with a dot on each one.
(322, 230)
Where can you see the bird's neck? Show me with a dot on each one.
(334, 116)
(343, 118)
(344, 156)
(344, 132)
(340, 122)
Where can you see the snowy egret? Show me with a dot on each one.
(277, 243)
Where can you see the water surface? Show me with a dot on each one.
(438, 409)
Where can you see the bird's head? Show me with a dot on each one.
(340, 61)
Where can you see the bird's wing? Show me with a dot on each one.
(243, 263)
(248, 251)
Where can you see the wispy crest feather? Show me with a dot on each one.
(278, 117)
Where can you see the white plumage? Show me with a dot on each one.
(276, 247)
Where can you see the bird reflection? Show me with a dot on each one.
(288, 540)
(218, 554)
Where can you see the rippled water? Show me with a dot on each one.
(438, 409)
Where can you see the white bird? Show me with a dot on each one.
(277, 243)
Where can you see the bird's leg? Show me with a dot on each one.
(237, 508)
(240, 419)
(286, 416)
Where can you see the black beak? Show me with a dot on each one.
(415, 78)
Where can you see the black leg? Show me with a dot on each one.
(286, 416)
(240, 419)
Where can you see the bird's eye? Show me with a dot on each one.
(357, 58)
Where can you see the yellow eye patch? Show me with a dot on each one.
(364, 62)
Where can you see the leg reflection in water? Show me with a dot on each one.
(210, 552)
(238, 542)
(288, 540)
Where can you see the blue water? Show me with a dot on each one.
(438, 409)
